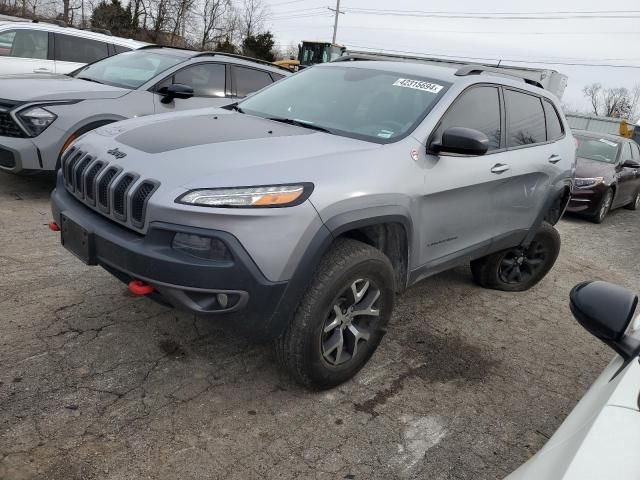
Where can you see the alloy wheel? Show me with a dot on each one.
(350, 322)
(606, 205)
(519, 265)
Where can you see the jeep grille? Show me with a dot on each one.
(106, 188)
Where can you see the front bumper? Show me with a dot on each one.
(180, 280)
(19, 154)
(586, 201)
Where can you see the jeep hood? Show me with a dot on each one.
(43, 87)
(216, 147)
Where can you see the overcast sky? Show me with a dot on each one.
(566, 40)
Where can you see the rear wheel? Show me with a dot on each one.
(342, 317)
(519, 268)
(635, 203)
(604, 208)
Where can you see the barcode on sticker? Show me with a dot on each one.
(418, 85)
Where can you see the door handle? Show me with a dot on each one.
(555, 158)
(500, 168)
(41, 70)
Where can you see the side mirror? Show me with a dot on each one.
(465, 141)
(605, 310)
(177, 90)
(630, 164)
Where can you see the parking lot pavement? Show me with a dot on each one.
(468, 383)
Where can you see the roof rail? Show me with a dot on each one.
(242, 57)
(103, 31)
(59, 23)
(478, 69)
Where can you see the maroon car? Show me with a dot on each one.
(607, 175)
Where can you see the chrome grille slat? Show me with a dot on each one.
(90, 181)
(120, 189)
(77, 174)
(103, 188)
(115, 193)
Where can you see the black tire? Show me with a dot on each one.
(498, 270)
(635, 203)
(304, 348)
(604, 208)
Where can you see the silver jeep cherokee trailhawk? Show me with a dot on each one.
(303, 210)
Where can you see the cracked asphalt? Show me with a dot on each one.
(467, 384)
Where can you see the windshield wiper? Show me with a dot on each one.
(300, 123)
(233, 106)
(91, 80)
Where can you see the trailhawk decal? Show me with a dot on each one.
(418, 85)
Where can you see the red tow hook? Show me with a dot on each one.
(53, 226)
(139, 288)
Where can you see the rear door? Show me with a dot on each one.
(246, 80)
(466, 198)
(24, 50)
(537, 158)
(72, 52)
(209, 83)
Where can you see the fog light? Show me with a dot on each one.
(223, 299)
(201, 247)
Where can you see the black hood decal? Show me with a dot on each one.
(191, 131)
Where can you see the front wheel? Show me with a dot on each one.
(603, 209)
(635, 203)
(342, 317)
(519, 268)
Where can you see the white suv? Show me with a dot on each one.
(46, 48)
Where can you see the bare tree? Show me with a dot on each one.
(252, 17)
(213, 14)
(613, 102)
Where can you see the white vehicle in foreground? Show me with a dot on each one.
(27, 47)
(600, 439)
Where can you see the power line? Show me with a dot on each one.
(488, 32)
(481, 16)
(543, 62)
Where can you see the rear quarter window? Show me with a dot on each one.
(554, 125)
(525, 119)
(249, 80)
(69, 48)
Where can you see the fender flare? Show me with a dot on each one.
(557, 200)
(321, 243)
(81, 131)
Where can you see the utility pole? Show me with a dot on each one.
(335, 24)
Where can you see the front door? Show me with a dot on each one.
(208, 81)
(466, 198)
(626, 177)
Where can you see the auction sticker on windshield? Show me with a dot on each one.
(418, 85)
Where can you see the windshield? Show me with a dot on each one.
(371, 105)
(129, 69)
(598, 149)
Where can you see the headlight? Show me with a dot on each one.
(588, 182)
(201, 247)
(249, 197)
(36, 120)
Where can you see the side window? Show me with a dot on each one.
(554, 125)
(120, 49)
(626, 152)
(276, 76)
(525, 119)
(24, 44)
(79, 50)
(206, 79)
(477, 108)
(249, 80)
(635, 151)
